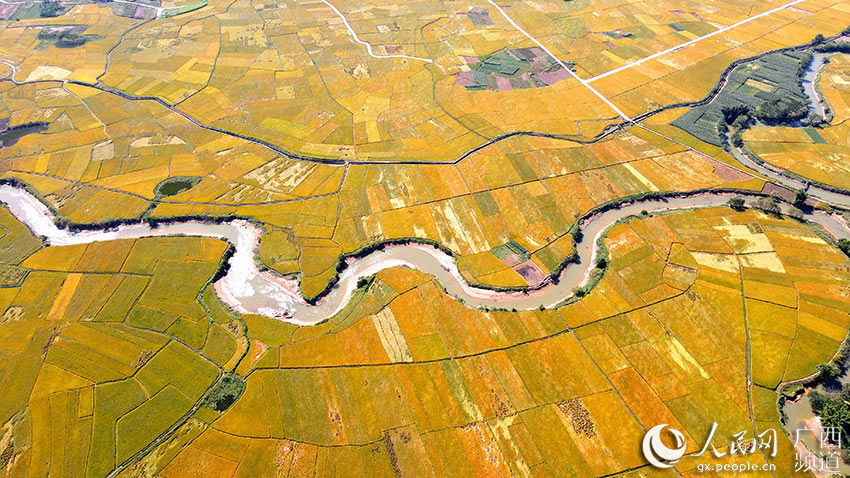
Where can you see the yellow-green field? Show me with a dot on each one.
(409, 380)
(821, 154)
(338, 125)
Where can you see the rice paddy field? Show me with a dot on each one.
(489, 129)
(820, 154)
(406, 380)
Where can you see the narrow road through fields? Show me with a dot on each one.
(563, 65)
(367, 44)
(695, 40)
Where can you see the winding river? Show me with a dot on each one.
(809, 82)
(248, 290)
(776, 174)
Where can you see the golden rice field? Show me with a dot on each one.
(104, 353)
(290, 73)
(113, 353)
(523, 189)
(406, 380)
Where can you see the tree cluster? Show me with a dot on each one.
(50, 9)
(225, 392)
(737, 204)
(781, 111)
(768, 205)
(834, 411)
(800, 199)
(844, 245)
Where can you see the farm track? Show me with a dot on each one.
(369, 45)
(608, 131)
(563, 65)
(693, 41)
(584, 265)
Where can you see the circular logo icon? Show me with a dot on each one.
(657, 453)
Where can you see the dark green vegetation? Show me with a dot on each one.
(175, 185)
(800, 199)
(844, 245)
(514, 247)
(767, 88)
(365, 282)
(792, 390)
(830, 401)
(828, 396)
(828, 371)
(225, 392)
(814, 134)
(834, 412)
(833, 407)
(11, 135)
(780, 110)
(170, 12)
(509, 69)
(768, 205)
(834, 47)
(737, 204)
(50, 9)
(63, 38)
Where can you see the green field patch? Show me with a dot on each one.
(813, 133)
(486, 203)
(512, 247)
(112, 400)
(220, 344)
(771, 78)
(122, 299)
(269, 331)
(170, 12)
(175, 287)
(149, 420)
(64, 36)
(191, 332)
(748, 90)
(176, 185)
(177, 365)
(217, 310)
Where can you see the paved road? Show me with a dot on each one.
(695, 40)
(367, 44)
(563, 65)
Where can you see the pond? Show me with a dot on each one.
(11, 135)
(175, 186)
(799, 415)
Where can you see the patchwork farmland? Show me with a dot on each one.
(293, 238)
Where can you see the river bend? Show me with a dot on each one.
(248, 290)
